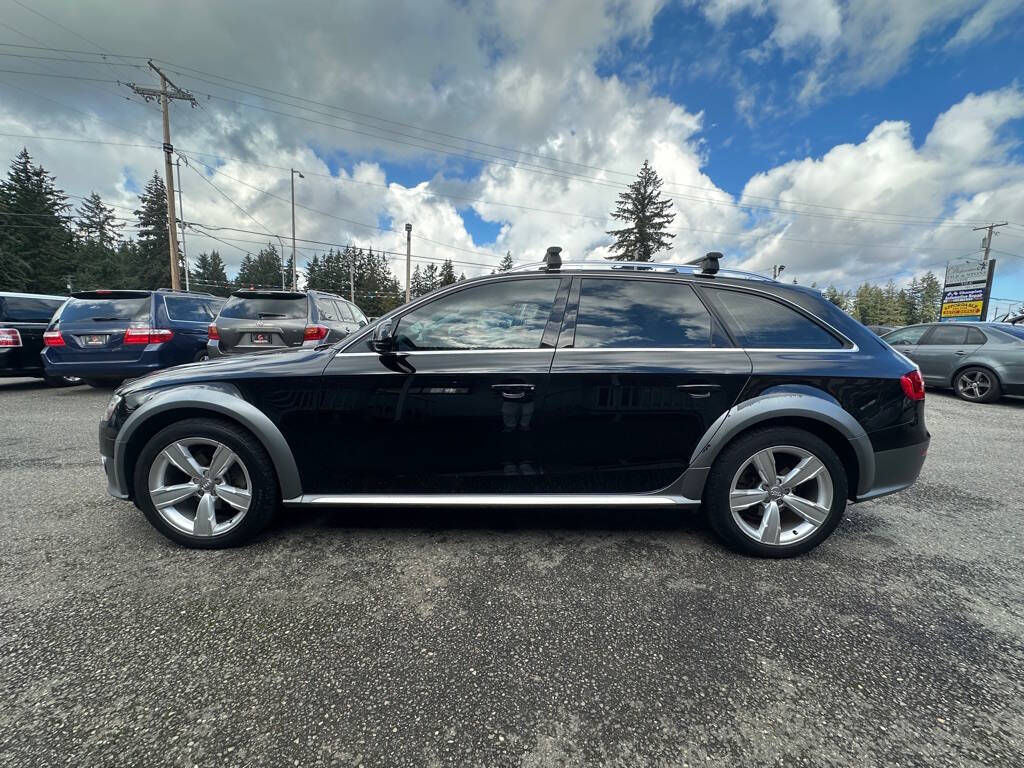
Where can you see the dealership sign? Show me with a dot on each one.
(966, 292)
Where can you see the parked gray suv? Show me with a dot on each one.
(251, 321)
(980, 361)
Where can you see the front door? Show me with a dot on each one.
(458, 407)
(941, 352)
(639, 375)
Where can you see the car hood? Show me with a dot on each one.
(302, 361)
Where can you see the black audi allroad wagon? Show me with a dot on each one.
(572, 385)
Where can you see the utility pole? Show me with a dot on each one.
(181, 214)
(777, 270)
(295, 282)
(165, 96)
(986, 242)
(408, 263)
(352, 279)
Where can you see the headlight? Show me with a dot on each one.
(111, 407)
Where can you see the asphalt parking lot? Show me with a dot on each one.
(523, 638)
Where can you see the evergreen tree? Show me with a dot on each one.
(208, 274)
(505, 264)
(840, 298)
(262, 270)
(416, 282)
(931, 298)
(36, 245)
(149, 268)
(431, 279)
(447, 274)
(462, 276)
(647, 215)
(97, 223)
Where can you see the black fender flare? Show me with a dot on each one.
(223, 400)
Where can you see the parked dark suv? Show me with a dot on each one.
(581, 385)
(23, 319)
(108, 336)
(252, 321)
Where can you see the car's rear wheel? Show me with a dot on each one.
(776, 492)
(206, 483)
(62, 381)
(102, 383)
(977, 385)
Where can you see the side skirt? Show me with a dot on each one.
(489, 500)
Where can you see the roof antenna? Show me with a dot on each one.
(553, 259)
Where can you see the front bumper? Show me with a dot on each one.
(117, 485)
(896, 469)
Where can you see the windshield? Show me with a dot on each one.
(132, 310)
(247, 308)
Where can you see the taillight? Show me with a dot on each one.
(9, 337)
(53, 339)
(314, 333)
(913, 385)
(212, 333)
(147, 335)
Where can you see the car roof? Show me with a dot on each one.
(16, 295)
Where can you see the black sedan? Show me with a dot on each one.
(625, 385)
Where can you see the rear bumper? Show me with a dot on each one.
(97, 369)
(896, 469)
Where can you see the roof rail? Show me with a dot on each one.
(643, 266)
(183, 290)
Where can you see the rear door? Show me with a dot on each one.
(330, 316)
(640, 373)
(254, 320)
(93, 325)
(941, 351)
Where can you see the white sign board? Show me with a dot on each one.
(963, 273)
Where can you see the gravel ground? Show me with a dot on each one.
(528, 638)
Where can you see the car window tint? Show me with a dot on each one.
(260, 308)
(910, 335)
(106, 310)
(344, 312)
(507, 315)
(22, 309)
(947, 334)
(762, 323)
(327, 310)
(358, 314)
(974, 336)
(192, 308)
(640, 313)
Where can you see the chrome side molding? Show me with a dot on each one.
(489, 500)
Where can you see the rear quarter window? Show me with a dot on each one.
(192, 309)
(759, 322)
(252, 308)
(23, 309)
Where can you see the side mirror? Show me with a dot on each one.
(381, 341)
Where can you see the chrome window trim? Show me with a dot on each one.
(787, 350)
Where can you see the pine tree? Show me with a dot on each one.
(36, 245)
(416, 282)
(208, 274)
(149, 268)
(840, 298)
(505, 264)
(647, 215)
(430, 278)
(262, 270)
(97, 223)
(931, 298)
(446, 276)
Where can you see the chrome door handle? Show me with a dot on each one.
(698, 390)
(513, 391)
(960, 353)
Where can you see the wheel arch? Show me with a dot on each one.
(801, 407)
(990, 368)
(222, 401)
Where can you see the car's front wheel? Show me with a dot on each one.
(206, 483)
(776, 492)
(977, 385)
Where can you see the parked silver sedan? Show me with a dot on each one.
(980, 361)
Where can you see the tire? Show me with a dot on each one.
(62, 381)
(821, 498)
(179, 517)
(201, 356)
(977, 385)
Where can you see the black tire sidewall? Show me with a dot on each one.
(991, 396)
(716, 493)
(262, 475)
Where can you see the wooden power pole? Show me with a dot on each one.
(165, 96)
(408, 263)
(987, 240)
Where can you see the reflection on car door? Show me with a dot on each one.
(640, 373)
(458, 407)
(940, 352)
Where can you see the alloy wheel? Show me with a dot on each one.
(200, 486)
(781, 495)
(973, 385)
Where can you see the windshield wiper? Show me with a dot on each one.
(108, 319)
(262, 315)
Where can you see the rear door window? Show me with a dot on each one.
(906, 336)
(758, 322)
(627, 314)
(132, 310)
(328, 312)
(192, 309)
(24, 309)
(344, 312)
(265, 308)
(947, 334)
